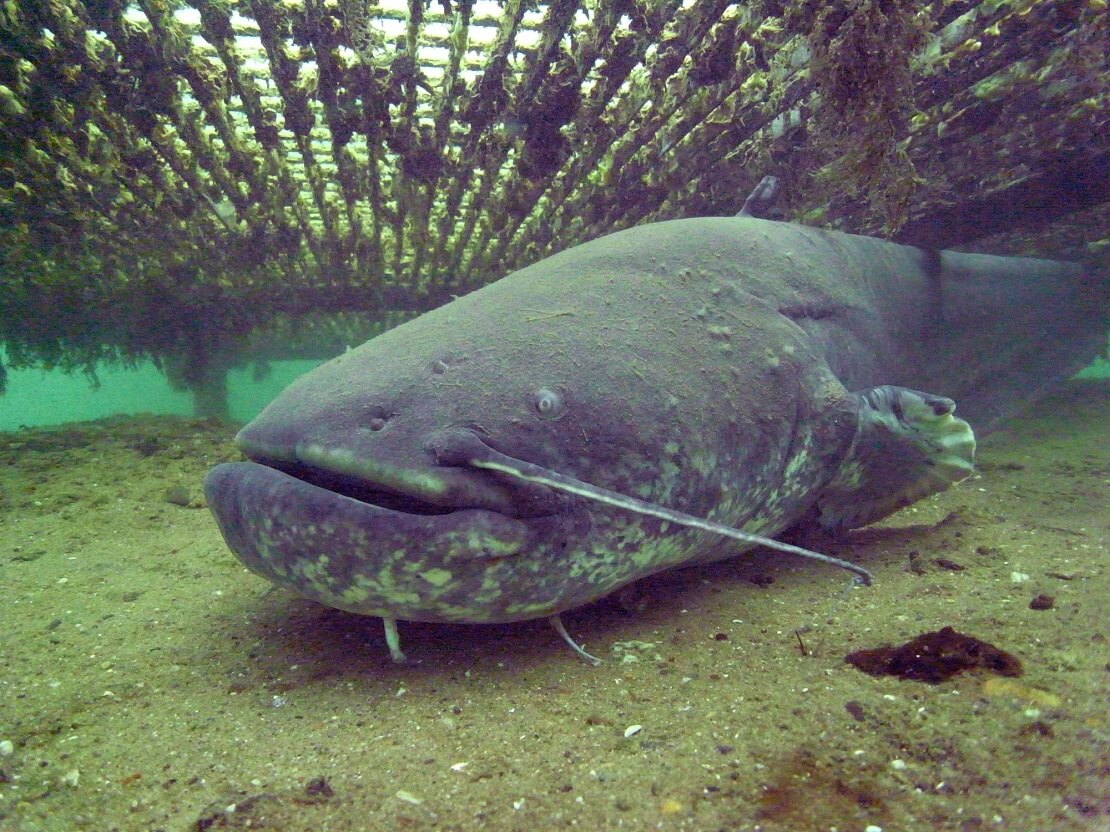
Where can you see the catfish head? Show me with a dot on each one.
(537, 444)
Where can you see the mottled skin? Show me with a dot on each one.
(701, 364)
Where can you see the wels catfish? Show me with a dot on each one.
(611, 411)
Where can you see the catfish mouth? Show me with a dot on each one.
(429, 486)
(361, 490)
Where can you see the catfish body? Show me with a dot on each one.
(731, 368)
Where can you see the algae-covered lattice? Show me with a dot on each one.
(175, 174)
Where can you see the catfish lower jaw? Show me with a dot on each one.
(334, 549)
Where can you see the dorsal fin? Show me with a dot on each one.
(761, 201)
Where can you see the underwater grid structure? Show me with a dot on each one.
(197, 182)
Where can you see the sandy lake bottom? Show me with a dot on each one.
(149, 682)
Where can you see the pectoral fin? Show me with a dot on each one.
(908, 445)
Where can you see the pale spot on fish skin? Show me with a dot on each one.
(470, 542)
(389, 591)
(669, 471)
(361, 587)
(850, 474)
(704, 465)
(313, 575)
(454, 612)
(799, 460)
(526, 610)
(491, 583)
(354, 595)
(437, 577)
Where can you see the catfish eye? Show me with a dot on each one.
(548, 404)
